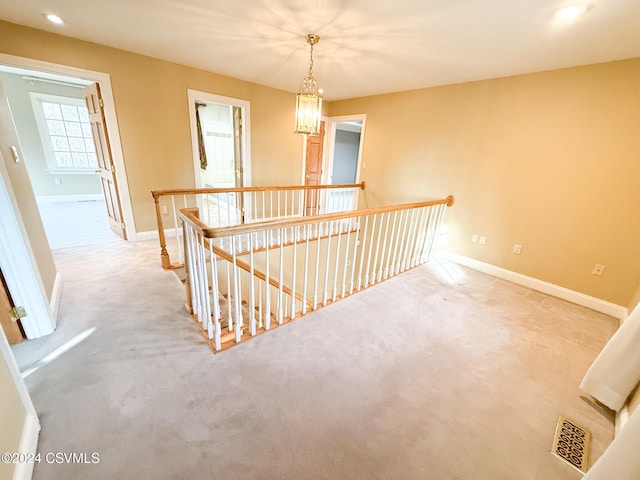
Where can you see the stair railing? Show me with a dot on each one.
(223, 207)
(246, 279)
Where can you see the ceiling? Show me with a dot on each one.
(366, 47)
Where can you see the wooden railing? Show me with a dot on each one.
(223, 207)
(244, 280)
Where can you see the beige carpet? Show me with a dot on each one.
(440, 373)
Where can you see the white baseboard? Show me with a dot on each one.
(29, 446)
(621, 418)
(602, 306)
(56, 295)
(153, 234)
(48, 199)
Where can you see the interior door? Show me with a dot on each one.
(10, 324)
(313, 169)
(106, 169)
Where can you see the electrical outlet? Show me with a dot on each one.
(474, 238)
(598, 269)
(517, 249)
(164, 210)
(482, 240)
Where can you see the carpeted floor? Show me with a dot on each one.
(442, 373)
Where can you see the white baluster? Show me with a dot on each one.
(280, 299)
(236, 292)
(306, 269)
(391, 239)
(335, 273)
(326, 271)
(267, 287)
(372, 235)
(363, 243)
(346, 259)
(356, 243)
(293, 274)
(398, 241)
(374, 273)
(229, 311)
(252, 301)
(215, 298)
(315, 283)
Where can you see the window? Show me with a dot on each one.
(65, 131)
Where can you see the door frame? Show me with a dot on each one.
(104, 80)
(16, 258)
(192, 96)
(331, 142)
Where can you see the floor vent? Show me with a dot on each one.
(572, 443)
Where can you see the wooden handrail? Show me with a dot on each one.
(220, 232)
(194, 191)
(164, 254)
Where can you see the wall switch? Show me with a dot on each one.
(597, 270)
(482, 240)
(517, 249)
(474, 238)
(58, 181)
(164, 210)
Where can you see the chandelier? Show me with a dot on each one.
(308, 100)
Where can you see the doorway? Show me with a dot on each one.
(341, 164)
(55, 131)
(21, 261)
(221, 152)
(345, 149)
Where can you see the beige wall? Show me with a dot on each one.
(550, 161)
(151, 106)
(547, 160)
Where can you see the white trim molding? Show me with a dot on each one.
(31, 426)
(56, 296)
(602, 306)
(89, 197)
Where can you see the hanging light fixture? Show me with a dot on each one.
(309, 101)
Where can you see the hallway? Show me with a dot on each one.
(441, 373)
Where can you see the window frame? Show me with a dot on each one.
(45, 136)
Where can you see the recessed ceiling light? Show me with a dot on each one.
(55, 19)
(570, 12)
